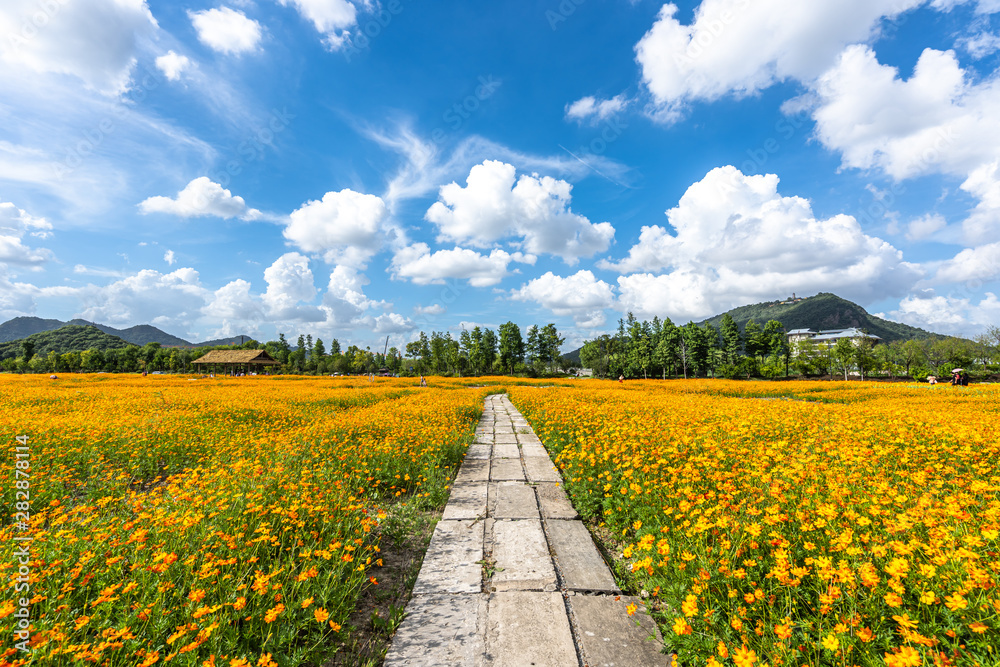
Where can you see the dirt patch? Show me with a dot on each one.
(380, 608)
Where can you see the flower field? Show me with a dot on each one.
(212, 521)
(795, 523)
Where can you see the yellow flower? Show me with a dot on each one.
(830, 642)
(927, 597)
(955, 602)
(905, 621)
(892, 599)
(690, 606)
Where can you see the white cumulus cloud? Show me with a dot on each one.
(290, 283)
(330, 17)
(960, 316)
(94, 41)
(344, 227)
(423, 267)
(736, 240)
(494, 205)
(742, 47)
(226, 30)
(170, 257)
(594, 109)
(173, 65)
(201, 197)
(15, 223)
(581, 296)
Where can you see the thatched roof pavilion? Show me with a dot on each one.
(234, 361)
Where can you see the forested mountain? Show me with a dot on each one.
(138, 335)
(68, 338)
(141, 334)
(22, 327)
(823, 311)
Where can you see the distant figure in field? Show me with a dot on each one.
(931, 379)
(621, 379)
(423, 381)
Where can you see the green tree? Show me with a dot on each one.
(843, 353)
(511, 350)
(549, 344)
(532, 349)
(666, 354)
(732, 339)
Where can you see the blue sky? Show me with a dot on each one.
(356, 170)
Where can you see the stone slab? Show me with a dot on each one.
(482, 451)
(512, 500)
(609, 637)
(506, 451)
(473, 470)
(504, 470)
(528, 439)
(533, 450)
(500, 427)
(553, 502)
(440, 630)
(541, 469)
(451, 563)
(467, 501)
(528, 629)
(521, 557)
(505, 439)
(580, 563)
(484, 438)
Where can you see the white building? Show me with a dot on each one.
(829, 337)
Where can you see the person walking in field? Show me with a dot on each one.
(621, 379)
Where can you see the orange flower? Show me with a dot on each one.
(744, 657)
(273, 613)
(978, 627)
(196, 596)
(335, 626)
(321, 615)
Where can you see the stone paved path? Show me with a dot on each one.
(512, 576)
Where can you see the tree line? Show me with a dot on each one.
(659, 348)
(477, 351)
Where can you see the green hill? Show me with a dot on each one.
(22, 327)
(70, 338)
(823, 311)
(139, 334)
